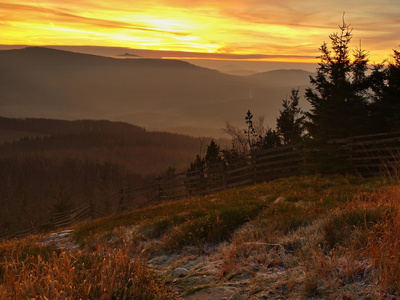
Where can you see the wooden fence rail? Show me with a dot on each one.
(367, 155)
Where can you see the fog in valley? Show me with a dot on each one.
(158, 94)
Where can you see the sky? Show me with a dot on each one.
(252, 30)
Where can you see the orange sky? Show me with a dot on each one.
(284, 30)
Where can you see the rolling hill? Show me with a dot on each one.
(132, 147)
(171, 95)
(281, 78)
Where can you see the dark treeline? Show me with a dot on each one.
(348, 97)
(84, 133)
(97, 140)
(51, 126)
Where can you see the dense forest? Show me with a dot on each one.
(51, 166)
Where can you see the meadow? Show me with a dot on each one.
(309, 237)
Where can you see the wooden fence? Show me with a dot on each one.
(372, 155)
(367, 155)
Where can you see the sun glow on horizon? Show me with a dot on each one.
(237, 27)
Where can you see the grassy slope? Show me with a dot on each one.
(291, 238)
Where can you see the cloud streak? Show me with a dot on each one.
(70, 18)
(260, 28)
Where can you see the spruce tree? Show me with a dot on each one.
(213, 154)
(250, 132)
(197, 165)
(290, 121)
(270, 140)
(338, 104)
(385, 84)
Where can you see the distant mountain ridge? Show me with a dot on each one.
(57, 127)
(233, 69)
(157, 94)
(47, 57)
(282, 77)
(128, 55)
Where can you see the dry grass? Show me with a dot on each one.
(384, 242)
(29, 271)
(331, 237)
(321, 251)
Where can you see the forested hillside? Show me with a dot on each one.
(57, 165)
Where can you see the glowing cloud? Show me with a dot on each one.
(285, 30)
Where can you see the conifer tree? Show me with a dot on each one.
(197, 165)
(385, 84)
(250, 132)
(338, 104)
(213, 154)
(290, 121)
(271, 139)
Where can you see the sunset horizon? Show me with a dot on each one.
(233, 30)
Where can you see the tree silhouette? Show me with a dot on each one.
(271, 139)
(385, 83)
(290, 121)
(213, 154)
(197, 165)
(338, 103)
(250, 132)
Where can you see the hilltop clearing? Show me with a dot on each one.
(298, 238)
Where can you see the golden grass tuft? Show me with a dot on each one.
(107, 273)
(384, 242)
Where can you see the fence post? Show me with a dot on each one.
(253, 163)
(349, 149)
(224, 176)
(91, 208)
(304, 151)
(203, 180)
(159, 188)
(121, 206)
